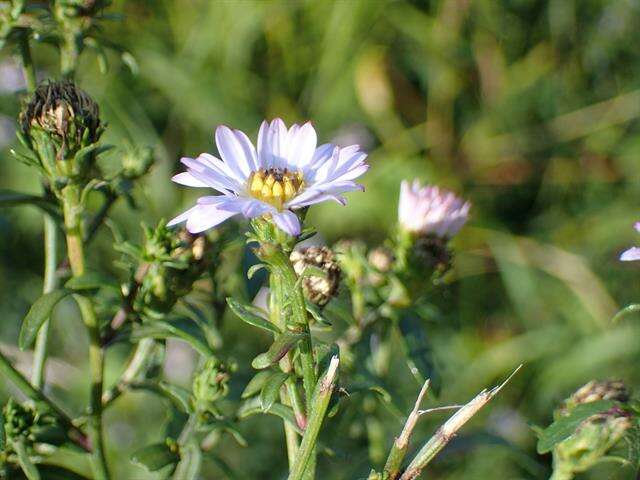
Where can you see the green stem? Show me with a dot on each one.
(319, 404)
(135, 367)
(292, 290)
(72, 210)
(276, 301)
(36, 395)
(28, 69)
(561, 472)
(50, 283)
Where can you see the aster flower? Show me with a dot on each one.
(632, 253)
(286, 172)
(430, 210)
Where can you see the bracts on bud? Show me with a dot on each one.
(59, 123)
(596, 435)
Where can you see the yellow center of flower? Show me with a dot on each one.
(275, 186)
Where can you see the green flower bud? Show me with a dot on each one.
(597, 434)
(211, 383)
(24, 423)
(381, 259)
(176, 259)
(136, 162)
(318, 289)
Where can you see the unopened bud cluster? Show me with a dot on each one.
(318, 289)
(175, 259)
(210, 384)
(24, 423)
(597, 434)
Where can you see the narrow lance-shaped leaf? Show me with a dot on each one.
(249, 314)
(271, 389)
(90, 281)
(256, 383)
(37, 315)
(564, 427)
(282, 344)
(253, 406)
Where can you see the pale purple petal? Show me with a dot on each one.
(288, 222)
(204, 217)
(637, 226)
(204, 170)
(630, 255)
(302, 145)
(181, 218)
(234, 152)
(185, 178)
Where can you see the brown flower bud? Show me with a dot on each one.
(317, 289)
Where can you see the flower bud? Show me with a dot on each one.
(57, 122)
(176, 260)
(318, 289)
(211, 383)
(431, 211)
(597, 434)
(23, 423)
(381, 259)
(136, 162)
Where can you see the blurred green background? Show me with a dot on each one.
(528, 108)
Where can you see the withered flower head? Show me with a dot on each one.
(318, 289)
(64, 112)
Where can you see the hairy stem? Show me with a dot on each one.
(275, 313)
(319, 404)
(72, 210)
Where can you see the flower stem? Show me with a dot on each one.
(28, 69)
(320, 402)
(275, 313)
(292, 291)
(50, 283)
(72, 209)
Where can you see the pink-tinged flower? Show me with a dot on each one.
(288, 171)
(634, 252)
(430, 210)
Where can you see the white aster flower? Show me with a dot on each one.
(430, 210)
(632, 253)
(286, 172)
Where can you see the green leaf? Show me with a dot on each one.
(256, 383)
(9, 198)
(189, 466)
(249, 315)
(418, 352)
(253, 406)
(282, 344)
(90, 281)
(27, 466)
(156, 456)
(271, 390)
(55, 472)
(179, 396)
(628, 310)
(564, 427)
(225, 426)
(182, 328)
(37, 315)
